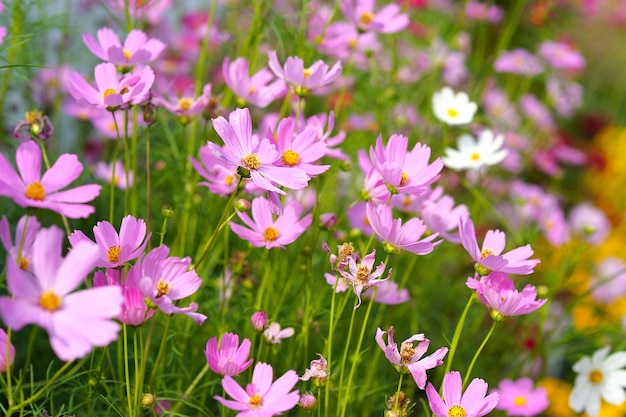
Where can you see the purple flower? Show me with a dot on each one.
(75, 322)
(489, 258)
(386, 20)
(409, 357)
(254, 159)
(229, 358)
(395, 235)
(31, 189)
(302, 79)
(262, 397)
(164, 280)
(473, 403)
(23, 238)
(117, 249)
(264, 231)
(137, 47)
(518, 61)
(561, 55)
(497, 291)
(520, 398)
(259, 90)
(361, 275)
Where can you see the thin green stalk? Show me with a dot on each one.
(266, 277)
(114, 160)
(478, 351)
(329, 352)
(13, 51)
(345, 355)
(395, 406)
(457, 334)
(127, 372)
(148, 186)
(157, 361)
(8, 368)
(127, 190)
(46, 162)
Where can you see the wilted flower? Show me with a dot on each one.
(318, 371)
(229, 358)
(37, 125)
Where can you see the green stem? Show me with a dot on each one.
(148, 186)
(395, 406)
(113, 161)
(46, 162)
(127, 372)
(478, 351)
(157, 361)
(457, 334)
(345, 354)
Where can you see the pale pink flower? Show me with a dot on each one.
(362, 276)
(23, 238)
(300, 150)
(185, 105)
(75, 322)
(561, 55)
(258, 320)
(318, 371)
(518, 61)
(4, 341)
(521, 398)
(590, 222)
(387, 19)
(31, 189)
(274, 334)
(104, 172)
(262, 397)
(220, 178)
(536, 111)
(473, 403)
(483, 12)
(229, 358)
(608, 282)
(259, 90)
(409, 357)
(387, 292)
(301, 79)
(442, 216)
(489, 257)
(137, 47)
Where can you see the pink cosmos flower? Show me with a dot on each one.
(25, 238)
(344, 41)
(318, 371)
(300, 150)
(387, 292)
(262, 397)
(134, 309)
(489, 258)
(536, 111)
(409, 357)
(608, 282)
(561, 55)
(164, 280)
(259, 90)
(386, 20)
(324, 125)
(274, 334)
(264, 231)
(185, 105)
(254, 159)
(520, 398)
(441, 216)
(497, 291)
(361, 275)
(590, 222)
(229, 358)
(220, 178)
(137, 48)
(396, 236)
(473, 403)
(75, 322)
(31, 189)
(405, 171)
(151, 11)
(519, 61)
(499, 109)
(483, 12)
(112, 91)
(302, 79)
(104, 172)
(117, 249)
(4, 340)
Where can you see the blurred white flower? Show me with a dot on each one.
(473, 154)
(453, 108)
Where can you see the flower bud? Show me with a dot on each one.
(259, 321)
(328, 220)
(147, 399)
(242, 205)
(307, 401)
(168, 212)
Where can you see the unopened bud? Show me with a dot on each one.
(242, 205)
(345, 165)
(328, 220)
(149, 113)
(147, 399)
(259, 321)
(168, 212)
(307, 401)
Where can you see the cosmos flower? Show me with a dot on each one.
(474, 154)
(361, 275)
(274, 334)
(386, 20)
(104, 172)
(259, 90)
(229, 358)
(453, 109)
(262, 397)
(518, 61)
(301, 79)
(561, 55)
(318, 371)
(300, 150)
(601, 376)
(473, 403)
(75, 321)
(31, 189)
(137, 47)
(135, 311)
(4, 360)
(520, 398)
(23, 237)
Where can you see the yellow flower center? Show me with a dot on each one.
(595, 377)
(255, 401)
(452, 112)
(32, 116)
(406, 353)
(456, 411)
(474, 156)
(290, 157)
(184, 103)
(307, 73)
(228, 180)
(271, 234)
(520, 401)
(113, 254)
(362, 273)
(404, 179)
(485, 253)
(49, 301)
(163, 288)
(108, 92)
(352, 43)
(35, 191)
(366, 18)
(252, 90)
(251, 161)
(126, 53)
(345, 250)
(24, 264)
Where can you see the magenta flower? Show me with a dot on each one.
(137, 47)
(497, 291)
(300, 150)
(483, 12)
(405, 171)
(164, 280)
(395, 235)
(561, 55)
(134, 309)
(254, 159)
(518, 61)
(112, 92)
(386, 20)
(520, 398)
(262, 397)
(31, 189)
(264, 231)
(302, 79)
(229, 358)
(259, 90)
(472, 403)
(117, 249)
(409, 357)
(489, 258)
(75, 322)
(361, 275)
(25, 238)
(4, 340)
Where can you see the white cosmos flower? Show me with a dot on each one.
(453, 109)
(473, 154)
(599, 377)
